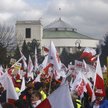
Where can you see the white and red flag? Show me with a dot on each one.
(30, 65)
(60, 98)
(78, 85)
(7, 83)
(23, 86)
(98, 80)
(24, 60)
(88, 53)
(81, 85)
(53, 57)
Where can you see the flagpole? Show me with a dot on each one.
(17, 61)
(49, 91)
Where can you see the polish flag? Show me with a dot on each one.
(92, 59)
(46, 69)
(7, 83)
(88, 53)
(11, 93)
(98, 80)
(60, 98)
(38, 78)
(89, 88)
(23, 86)
(44, 63)
(46, 49)
(81, 84)
(53, 57)
(78, 85)
(24, 60)
(30, 65)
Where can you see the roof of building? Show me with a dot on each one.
(28, 22)
(60, 24)
(63, 34)
(60, 29)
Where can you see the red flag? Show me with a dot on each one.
(60, 98)
(98, 80)
(88, 53)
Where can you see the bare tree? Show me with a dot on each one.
(7, 36)
(7, 41)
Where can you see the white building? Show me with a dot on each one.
(29, 30)
(61, 33)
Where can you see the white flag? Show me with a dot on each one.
(30, 65)
(24, 60)
(60, 98)
(53, 57)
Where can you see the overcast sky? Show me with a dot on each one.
(90, 17)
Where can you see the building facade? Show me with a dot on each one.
(61, 33)
(28, 30)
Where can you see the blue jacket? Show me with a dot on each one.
(104, 104)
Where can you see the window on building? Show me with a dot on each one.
(28, 32)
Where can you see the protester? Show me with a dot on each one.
(36, 92)
(36, 99)
(8, 105)
(76, 100)
(2, 94)
(100, 102)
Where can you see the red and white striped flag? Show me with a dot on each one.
(88, 53)
(60, 98)
(98, 80)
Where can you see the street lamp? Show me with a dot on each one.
(77, 44)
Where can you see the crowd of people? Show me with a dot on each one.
(36, 91)
(33, 95)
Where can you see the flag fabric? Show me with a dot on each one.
(81, 84)
(11, 93)
(88, 53)
(53, 57)
(36, 61)
(37, 79)
(1, 70)
(23, 86)
(46, 49)
(30, 65)
(98, 80)
(7, 83)
(92, 59)
(46, 69)
(78, 85)
(24, 60)
(60, 98)
(44, 63)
